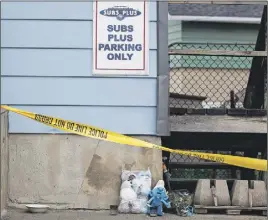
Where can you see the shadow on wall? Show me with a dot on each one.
(69, 171)
(4, 161)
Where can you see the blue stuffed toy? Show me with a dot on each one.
(158, 197)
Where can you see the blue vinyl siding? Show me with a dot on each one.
(54, 34)
(76, 91)
(51, 63)
(56, 10)
(126, 120)
(47, 68)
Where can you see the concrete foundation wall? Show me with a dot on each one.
(4, 161)
(70, 171)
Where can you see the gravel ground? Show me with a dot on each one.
(16, 214)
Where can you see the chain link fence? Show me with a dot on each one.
(217, 172)
(201, 81)
(198, 173)
(201, 173)
(205, 82)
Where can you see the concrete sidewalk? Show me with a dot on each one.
(16, 214)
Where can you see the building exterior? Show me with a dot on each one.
(46, 56)
(214, 23)
(212, 27)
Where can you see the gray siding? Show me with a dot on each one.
(198, 32)
(219, 32)
(174, 31)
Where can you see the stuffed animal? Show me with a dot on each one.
(142, 191)
(145, 177)
(157, 197)
(128, 198)
(127, 175)
(140, 184)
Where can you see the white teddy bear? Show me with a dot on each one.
(135, 188)
(128, 199)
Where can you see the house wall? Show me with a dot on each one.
(224, 36)
(47, 69)
(209, 32)
(174, 36)
(174, 31)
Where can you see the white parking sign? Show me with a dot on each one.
(120, 38)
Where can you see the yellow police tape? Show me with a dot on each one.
(101, 134)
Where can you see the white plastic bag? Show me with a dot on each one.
(127, 196)
(135, 188)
